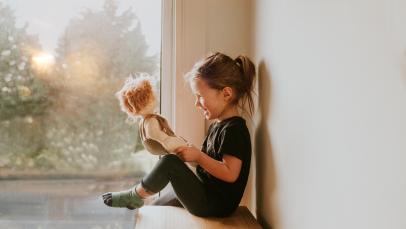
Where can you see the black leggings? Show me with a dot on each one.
(190, 191)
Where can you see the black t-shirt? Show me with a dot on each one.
(230, 136)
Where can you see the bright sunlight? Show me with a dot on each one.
(43, 60)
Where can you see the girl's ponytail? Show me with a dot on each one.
(247, 69)
(219, 70)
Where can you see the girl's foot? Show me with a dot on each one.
(129, 199)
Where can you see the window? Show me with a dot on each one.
(59, 70)
(60, 64)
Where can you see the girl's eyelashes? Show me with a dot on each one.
(199, 98)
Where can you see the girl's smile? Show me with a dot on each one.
(214, 103)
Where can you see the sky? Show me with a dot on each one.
(48, 18)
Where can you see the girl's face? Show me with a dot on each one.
(211, 101)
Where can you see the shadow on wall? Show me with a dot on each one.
(265, 178)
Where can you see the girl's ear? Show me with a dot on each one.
(228, 93)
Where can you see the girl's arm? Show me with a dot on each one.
(227, 170)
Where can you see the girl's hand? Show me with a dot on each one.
(188, 153)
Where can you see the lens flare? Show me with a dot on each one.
(43, 60)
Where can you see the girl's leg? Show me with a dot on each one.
(167, 197)
(128, 198)
(188, 188)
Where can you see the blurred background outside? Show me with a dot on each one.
(61, 63)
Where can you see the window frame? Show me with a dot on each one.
(168, 63)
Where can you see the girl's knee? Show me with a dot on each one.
(171, 159)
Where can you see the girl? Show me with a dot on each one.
(221, 86)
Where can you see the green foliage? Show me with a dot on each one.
(111, 45)
(21, 92)
(73, 121)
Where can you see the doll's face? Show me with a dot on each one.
(149, 109)
(139, 99)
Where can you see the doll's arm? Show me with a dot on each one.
(154, 132)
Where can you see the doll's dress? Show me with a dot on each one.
(154, 146)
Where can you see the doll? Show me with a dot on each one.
(138, 99)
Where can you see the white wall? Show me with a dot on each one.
(331, 129)
(204, 26)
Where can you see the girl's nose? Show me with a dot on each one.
(197, 103)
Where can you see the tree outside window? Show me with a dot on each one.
(58, 112)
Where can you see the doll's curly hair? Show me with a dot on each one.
(136, 94)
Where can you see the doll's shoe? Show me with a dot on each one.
(124, 199)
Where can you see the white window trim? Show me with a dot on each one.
(168, 61)
(178, 56)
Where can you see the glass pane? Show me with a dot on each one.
(61, 63)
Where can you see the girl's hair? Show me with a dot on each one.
(136, 94)
(219, 71)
